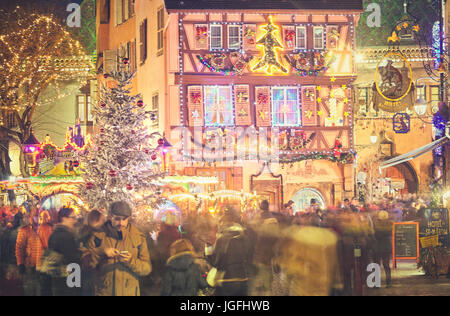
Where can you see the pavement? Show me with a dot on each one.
(408, 280)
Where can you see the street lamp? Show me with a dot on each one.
(373, 137)
(421, 106)
(31, 149)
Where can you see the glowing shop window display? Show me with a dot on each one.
(218, 106)
(285, 107)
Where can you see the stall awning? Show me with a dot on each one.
(414, 154)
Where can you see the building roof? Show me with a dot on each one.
(264, 4)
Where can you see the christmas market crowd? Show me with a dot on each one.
(254, 252)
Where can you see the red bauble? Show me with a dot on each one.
(153, 157)
(147, 151)
(126, 61)
(102, 130)
(129, 187)
(105, 76)
(103, 105)
(140, 103)
(76, 164)
(133, 132)
(160, 142)
(112, 173)
(89, 185)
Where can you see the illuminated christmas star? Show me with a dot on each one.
(346, 100)
(309, 114)
(243, 112)
(333, 79)
(319, 99)
(319, 113)
(346, 114)
(319, 88)
(344, 86)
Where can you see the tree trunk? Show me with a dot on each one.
(23, 165)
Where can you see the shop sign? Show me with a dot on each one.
(392, 83)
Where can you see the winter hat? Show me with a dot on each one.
(120, 208)
(383, 215)
(179, 246)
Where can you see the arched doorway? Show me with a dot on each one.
(303, 198)
(403, 178)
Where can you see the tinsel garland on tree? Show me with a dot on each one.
(119, 163)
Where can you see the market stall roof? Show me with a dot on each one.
(264, 4)
(415, 153)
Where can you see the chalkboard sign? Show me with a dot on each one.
(405, 241)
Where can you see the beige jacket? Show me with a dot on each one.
(114, 278)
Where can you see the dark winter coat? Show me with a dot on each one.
(63, 241)
(232, 254)
(183, 276)
(383, 236)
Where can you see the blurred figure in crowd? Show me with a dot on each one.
(232, 255)
(183, 276)
(383, 247)
(63, 241)
(28, 250)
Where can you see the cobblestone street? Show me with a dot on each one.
(407, 280)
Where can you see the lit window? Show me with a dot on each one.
(285, 107)
(216, 36)
(218, 106)
(434, 93)
(421, 92)
(300, 37)
(234, 40)
(318, 37)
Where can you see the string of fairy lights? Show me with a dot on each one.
(38, 54)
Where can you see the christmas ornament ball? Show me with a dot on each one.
(76, 164)
(112, 173)
(153, 157)
(129, 187)
(89, 185)
(160, 142)
(153, 116)
(140, 103)
(106, 76)
(126, 61)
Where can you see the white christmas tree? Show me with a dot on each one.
(119, 165)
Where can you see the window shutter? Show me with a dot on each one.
(118, 12)
(109, 61)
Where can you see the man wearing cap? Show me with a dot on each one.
(119, 254)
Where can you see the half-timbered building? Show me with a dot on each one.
(260, 95)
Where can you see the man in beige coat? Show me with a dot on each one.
(119, 255)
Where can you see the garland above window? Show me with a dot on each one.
(233, 63)
(310, 63)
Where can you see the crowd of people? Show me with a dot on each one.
(252, 253)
